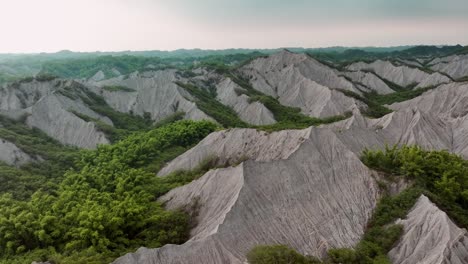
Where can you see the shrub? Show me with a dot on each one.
(277, 254)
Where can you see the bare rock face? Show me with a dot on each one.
(456, 66)
(292, 197)
(99, 76)
(308, 189)
(297, 80)
(401, 75)
(430, 237)
(370, 81)
(255, 113)
(153, 92)
(17, 96)
(47, 108)
(11, 154)
(446, 106)
(52, 115)
(231, 146)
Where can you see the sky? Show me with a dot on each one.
(28, 26)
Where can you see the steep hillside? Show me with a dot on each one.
(251, 202)
(274, 192)
(430, 237)
(155, 93)
(54, 107)
(403, 76)
(456, 66)
(297, 80)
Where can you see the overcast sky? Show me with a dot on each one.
(114, 25)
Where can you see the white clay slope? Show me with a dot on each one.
(401, 75)
(300, 81)
(430, 237)
(456, 66)
(295, 198)
(255, 113)
(154, 92)
(46, 108)
(11, 154)
(259, 203)
(370, 81)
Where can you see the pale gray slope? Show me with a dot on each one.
(44, 106)
(231, 94)
(298, 199)
(456, 66)
(297, 80)
(99, 76)
(154, 92)
(448, 105)
(370, 81)
(52, 115)
(303, 188)
(401, 75)
(430, 237)
(12, 155)
(230, 146)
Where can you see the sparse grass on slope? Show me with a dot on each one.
(206, 101)
(287, 117)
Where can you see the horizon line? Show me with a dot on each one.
(232, 48)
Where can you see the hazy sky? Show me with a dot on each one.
(90, 25)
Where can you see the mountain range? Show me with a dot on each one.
(287, 157)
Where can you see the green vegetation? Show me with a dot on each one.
(118, 88)
(45, 77)
(287, 117)
(106, 206)
(443, 176)
(56, 159)
(400, 96)
(463, 79)
(374, 109)
(124, 123)
(278, 254)
(380, 236)
(291, 117)
(376, 102)
(206, 101)
(88, 67)
(439, 175)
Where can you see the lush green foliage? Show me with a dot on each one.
(107, 204)
(443, 176)
(87, 67)
(277, 254)
(22, 182)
